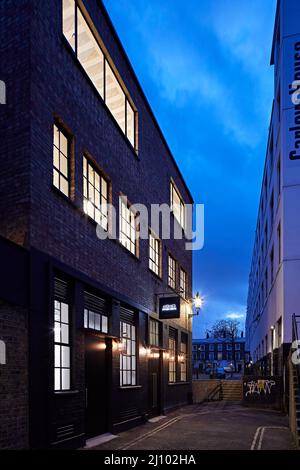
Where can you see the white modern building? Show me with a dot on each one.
(274, 283)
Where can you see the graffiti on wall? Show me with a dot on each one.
(262, 390)
(260, 386)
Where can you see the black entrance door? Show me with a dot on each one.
(154, 385)
(96, 386)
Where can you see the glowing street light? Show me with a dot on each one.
(198, 304)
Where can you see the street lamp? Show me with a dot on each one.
(198, 303)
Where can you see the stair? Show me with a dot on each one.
(232, 390)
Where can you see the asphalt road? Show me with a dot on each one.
(212, 426)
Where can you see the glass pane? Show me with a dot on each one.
(56, 157)
(92, 320)
(64, 165)
(130, 123)
(63, 144)
(65, 379)
(84, 166)
(64, 333)
(65, 313)
(57, 356)
(85, 318)
(69, 21)
(56, 179)
(57, 379)
(56, 136)
(65, 356)
(97, 322)
(104, 324)
(64, 186)
(115, 97)
(133, 378)
(90, 54)
(57, 332)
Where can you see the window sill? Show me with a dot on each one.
(66, 393)
(173, 384)
(131, 387)
(78, 64)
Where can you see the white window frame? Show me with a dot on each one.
(95, 194)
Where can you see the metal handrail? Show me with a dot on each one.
(212, 393)
(295, 336)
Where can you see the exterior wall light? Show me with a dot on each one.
(198, 304)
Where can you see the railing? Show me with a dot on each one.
(212, 393)
(296, 337)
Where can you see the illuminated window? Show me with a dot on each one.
(128, 227)
(183, 283)
(154, 254)
(98, 68)
(177, 205)
(183, 359)
(172, 355)
(61, 153)
(62, 350)
(95, 313)
(154, 333)
(172, 272)
(128, 354)
(69, 21)
(95, 194)
(89, 54)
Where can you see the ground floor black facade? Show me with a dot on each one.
(80, 359)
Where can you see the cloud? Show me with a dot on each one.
(235, 316)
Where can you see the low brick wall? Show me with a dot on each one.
(201, 389)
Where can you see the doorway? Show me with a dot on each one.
(96, 380)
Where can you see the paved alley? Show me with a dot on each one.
(211, 426)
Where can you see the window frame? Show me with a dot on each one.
(106, 60)
(184, 358)
(172, 362)
(132, 370)
(61, 130)
(183, 280)
(172, 268)
(61, 345)
(154, 333)
(123, 241)
(157, 253)
(87, 164)
(182, 206)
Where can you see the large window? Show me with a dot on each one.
(154, 333)
(61, 152)
(183, 283)
(154, 254)
(183, 358)
(128, 354)
(98, 68)
(172, 272)
(62, 349)
(172, 355)
(95, 194)
(128, 227)
(177, 205)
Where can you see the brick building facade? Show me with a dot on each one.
(76, 129)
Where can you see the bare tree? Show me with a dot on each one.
(226, 329)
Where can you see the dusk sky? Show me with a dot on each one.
(204, 67)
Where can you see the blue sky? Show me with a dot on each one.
(204, 66)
